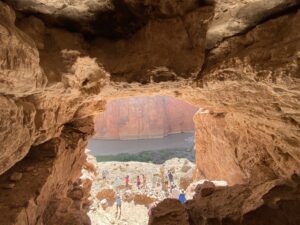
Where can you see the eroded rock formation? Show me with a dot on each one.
(144, 117)
(60, 61)
(272, 202)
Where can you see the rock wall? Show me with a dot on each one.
(46, 193)
(56, 70)
(273, 202)
(262, 143)
(144, 117)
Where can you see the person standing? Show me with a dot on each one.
(127, 181)
(117, 183)
(104, 174)
(181, 197)
(119, 206)
(171, 178)
(138, 182)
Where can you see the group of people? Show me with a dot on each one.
(138, 181)
(141, 182)
(172, 187)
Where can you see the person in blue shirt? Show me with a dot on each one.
(181, 197)
(119, 205)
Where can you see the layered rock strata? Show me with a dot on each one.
(47, 192)
(263, 78)
(144, 117)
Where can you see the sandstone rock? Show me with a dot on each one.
(235, 132)
(48, 187)
(108, 194)
(248, 87)
(21, 74)
(169, 211)
(233, 18)
(245, 203)
(144, 117)
(90, 167)
(143, 199)
(205, 189)
(16, 176)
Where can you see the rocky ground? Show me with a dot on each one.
(136, 201)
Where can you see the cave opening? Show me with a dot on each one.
(142, 152)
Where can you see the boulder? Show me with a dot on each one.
(104, 203)
(169, 211)
(205, 189)
(108, 194)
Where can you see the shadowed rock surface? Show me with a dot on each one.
(273, 202)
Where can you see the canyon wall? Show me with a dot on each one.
(61, 63)
(144, 117)
(262, 143)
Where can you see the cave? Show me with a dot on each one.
(139, 142)
(62, 61)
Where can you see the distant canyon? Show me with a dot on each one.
(144, 117)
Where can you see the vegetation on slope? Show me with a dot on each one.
(157, 157)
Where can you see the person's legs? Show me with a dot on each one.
(117, 209)
(120, 212)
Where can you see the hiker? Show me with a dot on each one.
(170, 177)
(118, 205)
(181, 197)
(172, 187)
(104, 174)
(138, 182)
(127, 181)
(116, 183)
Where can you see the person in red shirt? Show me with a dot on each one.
(127, 181)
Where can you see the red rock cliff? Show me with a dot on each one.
(144, 117)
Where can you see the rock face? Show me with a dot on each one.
(169, 211)
(273, 202)
(235, 17)
(37, 198)
(144, 117)
(231, 138)
(60, 61)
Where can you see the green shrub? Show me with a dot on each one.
(157, 156)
